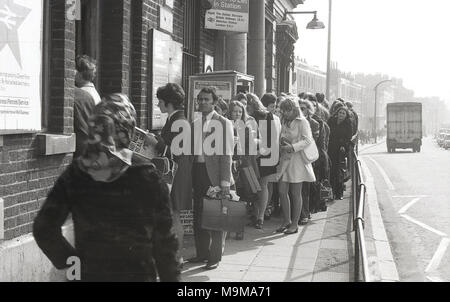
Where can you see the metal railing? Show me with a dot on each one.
(358, 199)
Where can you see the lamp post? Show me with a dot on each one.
(375, 109)
(327, 93)
(313, 24)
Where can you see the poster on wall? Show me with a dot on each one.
(166, 67)
(228, 15)
(20, 65)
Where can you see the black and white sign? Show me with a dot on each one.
(228, 15)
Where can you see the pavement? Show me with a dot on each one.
(322, 251)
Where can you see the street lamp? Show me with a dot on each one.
(313, 24)
(375, 109)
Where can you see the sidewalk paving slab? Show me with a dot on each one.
(320, 252)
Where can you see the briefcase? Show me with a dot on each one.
(224, 215)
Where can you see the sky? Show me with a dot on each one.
(408, 39)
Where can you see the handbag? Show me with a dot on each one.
(167, 167)
(224, 215)
(344, 172)
(310, 154)
(326, 192)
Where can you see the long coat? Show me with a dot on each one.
(122, 228)
(340, 136)
(292, 168)
(181, 186)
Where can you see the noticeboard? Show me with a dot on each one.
(228, 15)
(227, 84)
(166, 67)
(20, 65)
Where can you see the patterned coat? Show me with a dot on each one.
(122, 228)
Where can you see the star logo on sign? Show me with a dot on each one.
(12, 16)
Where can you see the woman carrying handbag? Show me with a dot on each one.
(294, 170)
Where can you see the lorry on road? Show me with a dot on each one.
(404, 126)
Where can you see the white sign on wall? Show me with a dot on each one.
(228, 15)
(209, 64)
(20, 65)
(167, 67)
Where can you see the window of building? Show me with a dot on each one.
(191, 38)
(88, 33)
(46, 48)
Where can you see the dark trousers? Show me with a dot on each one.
(208, 244)
(315, 203)
(306, 200)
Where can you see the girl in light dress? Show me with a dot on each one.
(293, 171)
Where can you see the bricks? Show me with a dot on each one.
(26, 177)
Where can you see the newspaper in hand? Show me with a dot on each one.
(144, 144)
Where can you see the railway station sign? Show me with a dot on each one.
(228, 15)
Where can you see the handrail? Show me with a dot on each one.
(358, 199)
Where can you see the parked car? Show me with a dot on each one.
(446, 142)
(440, 139)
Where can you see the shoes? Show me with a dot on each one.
(290, 232)
(303, 221)
(323, 209)
(258, 224)
(211, 266)
(196, 260)
(341, 198)
(283, 228)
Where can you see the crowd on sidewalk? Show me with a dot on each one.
(127, 221)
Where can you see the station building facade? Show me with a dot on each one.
(138, 46)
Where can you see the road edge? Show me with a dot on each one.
(385, 263)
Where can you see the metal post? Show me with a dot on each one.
(356, 268)
(375, 111)
(329, 52)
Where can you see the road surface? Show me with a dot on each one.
(413, 191)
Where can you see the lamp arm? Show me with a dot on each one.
(299, 13)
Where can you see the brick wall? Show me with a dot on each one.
(207, 41)
(26, 177)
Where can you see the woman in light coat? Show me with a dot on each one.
(295, 136)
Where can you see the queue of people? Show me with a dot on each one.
(127, 219)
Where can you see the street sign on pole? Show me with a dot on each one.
(228, 15)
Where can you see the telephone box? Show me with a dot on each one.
(228, 84)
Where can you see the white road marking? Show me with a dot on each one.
(408, 205)
(378, 230)
(423, 225)
(437, 258)
(435, 279)
(383, 173)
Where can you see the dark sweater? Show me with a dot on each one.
(122, 228)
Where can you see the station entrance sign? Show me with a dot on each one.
(228, 15)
